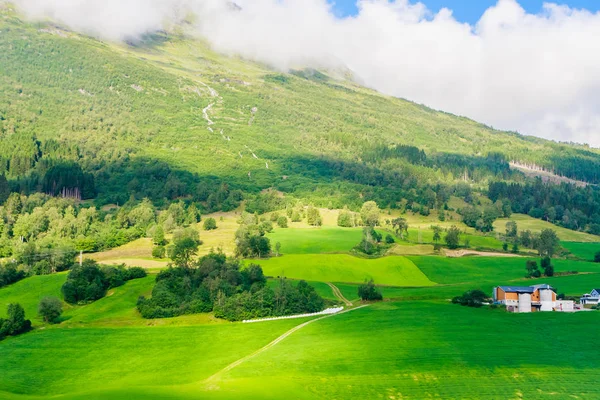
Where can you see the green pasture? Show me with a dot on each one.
(525, 222)
(407, 350)
(30, 291)
(394, 271)
(585, 251)
(420, 236)
(117, 309)
(316, 240)
(416, 350)
(57, 361)
(481, 269)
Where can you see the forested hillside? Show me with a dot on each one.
(170, 120)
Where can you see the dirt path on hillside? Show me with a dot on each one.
(337, 293)
(464, 253)
(272, 344)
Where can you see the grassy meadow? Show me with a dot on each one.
(585, 251)
(525, 222)
(393, 271)
(420, 347)
(327, 239)
(407, 350)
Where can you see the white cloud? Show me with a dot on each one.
(538, 74)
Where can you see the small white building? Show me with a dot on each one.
(565, 305)
(592, 298)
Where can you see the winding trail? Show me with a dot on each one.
(337, 293)
(272, 344)
(205, 114)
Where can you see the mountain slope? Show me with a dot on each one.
(169, 118)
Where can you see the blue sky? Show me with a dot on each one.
(471, 10)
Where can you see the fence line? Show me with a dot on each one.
(327, 311)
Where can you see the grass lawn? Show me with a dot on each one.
(420, 349)
(525, 222)
(316, 240)
(415, 350)
(585, 251)
(482, 269)
(55, 361)
(394, 271)
(30, 291)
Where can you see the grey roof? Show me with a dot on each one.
(597, 290)
(517, 289)
(544, 286)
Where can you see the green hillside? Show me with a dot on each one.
(197, 166)
(172, 121)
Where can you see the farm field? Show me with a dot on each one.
(76, 360)
(432, 349)
(585, 251)
(316, 240)
(394, 271)
(423, 347)
(525, 222)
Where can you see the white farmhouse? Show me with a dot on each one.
(592, 298)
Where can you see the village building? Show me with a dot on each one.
(592, 298)
(525, 299)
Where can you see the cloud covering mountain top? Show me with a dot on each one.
(535, 73)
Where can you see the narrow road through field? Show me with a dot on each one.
(273, 343)
(339, 295)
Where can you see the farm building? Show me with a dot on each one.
(524, 299)
(591, 298)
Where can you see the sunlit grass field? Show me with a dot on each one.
(585, 251)
(421, 349)
(526, 222)
(394, 271)
(316, 240)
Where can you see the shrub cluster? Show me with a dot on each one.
(369, 292)
(472, 298)
(89, 282)
(9, 274)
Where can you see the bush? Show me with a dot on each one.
(472, 298)
(42, 268)
(282, 221)
(369, 292)
(135, 273)
(210, 224)
(389, 239)
(345, 219)
(16, 323)
(547, 267)
(453, 237)
(50, 309)
(266, 227)
(597, 257)
(159, 252)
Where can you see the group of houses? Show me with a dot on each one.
(526, 299)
